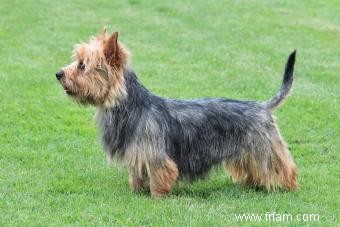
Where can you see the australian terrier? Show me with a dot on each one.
(160, 140)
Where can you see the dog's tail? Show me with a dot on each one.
(287, 82)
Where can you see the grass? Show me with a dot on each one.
(52, 168)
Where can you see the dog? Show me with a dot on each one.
(163, 140)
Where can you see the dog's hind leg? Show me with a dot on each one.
(271, 166)
(283, 166)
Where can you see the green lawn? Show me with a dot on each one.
(52, 167)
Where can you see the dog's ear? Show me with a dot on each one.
(111, 49)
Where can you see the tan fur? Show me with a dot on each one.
(102, 82)
(147, 171)
(278, 170)
(158, 177)
(162, 178)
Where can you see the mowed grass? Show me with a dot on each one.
(52, 167)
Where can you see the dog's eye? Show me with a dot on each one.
(81, 65)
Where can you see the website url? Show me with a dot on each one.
(277, 217)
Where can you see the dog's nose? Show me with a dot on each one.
(59, 74)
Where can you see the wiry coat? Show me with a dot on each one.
(159, 139)
(195, 134)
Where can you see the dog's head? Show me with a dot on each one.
(96, 74)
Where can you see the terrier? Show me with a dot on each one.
(162, 140)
